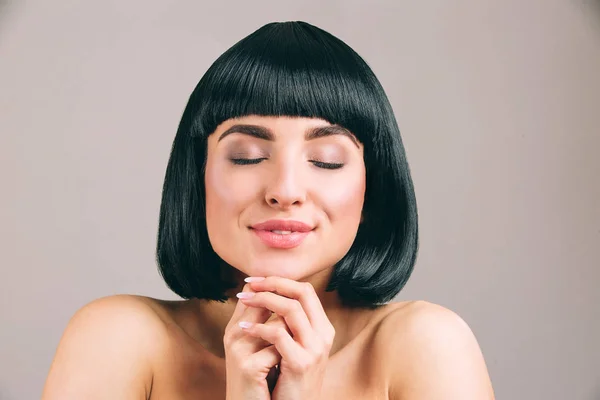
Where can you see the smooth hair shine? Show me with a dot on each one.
(292, 69)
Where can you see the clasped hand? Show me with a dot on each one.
(304, 346)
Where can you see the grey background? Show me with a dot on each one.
(499, 107)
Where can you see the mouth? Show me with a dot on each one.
(282, 234)
(282, 226)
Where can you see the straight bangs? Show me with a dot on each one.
(288, 69)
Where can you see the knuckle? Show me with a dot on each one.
(247, 366)
(228, 338)
(330, 336)
(328, 342)
(319, 348)
(307, 288)
(303, 365)
(280, 333)
(281, 329)
(230, 342)
(295, 306)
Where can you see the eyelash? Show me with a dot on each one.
(251, 161)
(246, 161)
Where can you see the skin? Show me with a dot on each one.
(133, 347)
(284, 186)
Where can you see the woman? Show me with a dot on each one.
(287, 167)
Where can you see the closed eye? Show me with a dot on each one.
(325, 165)
(251, 161)
(246, 161)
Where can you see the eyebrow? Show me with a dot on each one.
(264, 133)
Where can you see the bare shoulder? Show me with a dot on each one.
(107, 350)
(426, 343)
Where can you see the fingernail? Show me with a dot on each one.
(244, 295)
(244, 324)
(253, 279)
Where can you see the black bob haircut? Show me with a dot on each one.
(293, 69)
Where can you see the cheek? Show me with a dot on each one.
(343, 202)
(227, 194)
(218, 189)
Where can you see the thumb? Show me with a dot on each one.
(267, 358)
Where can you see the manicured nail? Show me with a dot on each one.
(244, 295)
(253, 279)
(244, 324)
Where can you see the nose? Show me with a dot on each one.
(285, 187)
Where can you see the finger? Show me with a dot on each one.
(274, 321)
(278, 321)
(259, 363)
(269, 356)
(280, 338)
(290, 310)
(245, 313)
(241, 307)
(304, 293)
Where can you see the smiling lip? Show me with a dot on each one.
(299, 231)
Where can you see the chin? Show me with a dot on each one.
(285, 269)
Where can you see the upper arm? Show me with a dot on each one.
(435, 356)
(105, 352)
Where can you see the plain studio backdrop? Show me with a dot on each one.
(498, 104)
